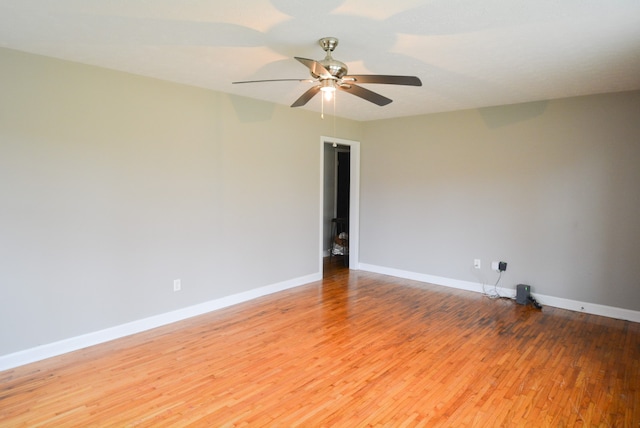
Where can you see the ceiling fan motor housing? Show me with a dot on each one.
(337, 69)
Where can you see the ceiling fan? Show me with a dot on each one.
(331, 75)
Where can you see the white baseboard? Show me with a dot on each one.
(544, 300)
(49, 350)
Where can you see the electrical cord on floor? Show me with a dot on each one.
(495, 294)
(534, 302)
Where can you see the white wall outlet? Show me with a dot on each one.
(495, 266)
(177, 285)
(476, 263)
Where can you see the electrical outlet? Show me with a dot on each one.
(476, 263)
(495, 265)
(177, 285)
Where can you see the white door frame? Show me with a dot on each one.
(354, 199)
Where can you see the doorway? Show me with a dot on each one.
(339, 190)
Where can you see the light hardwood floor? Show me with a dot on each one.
(356, 349)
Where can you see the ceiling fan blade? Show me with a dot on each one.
(366, 94)
(274, 80)
(314, 66)
(381, 78)
(306, 96)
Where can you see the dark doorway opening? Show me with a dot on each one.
(338, 227)
(342, 188)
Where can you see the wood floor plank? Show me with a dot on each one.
(356, 349)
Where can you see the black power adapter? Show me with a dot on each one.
(502, 266)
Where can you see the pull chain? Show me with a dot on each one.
(334, 116)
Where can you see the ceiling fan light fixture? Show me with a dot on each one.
(328, 87)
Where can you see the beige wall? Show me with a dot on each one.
(552, 188)
(114, 185)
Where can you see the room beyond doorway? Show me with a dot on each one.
(340, 188)
(337, 199)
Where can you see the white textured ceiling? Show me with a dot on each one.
(468, 53)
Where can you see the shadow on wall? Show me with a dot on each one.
(496, 117)
(249, 110)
